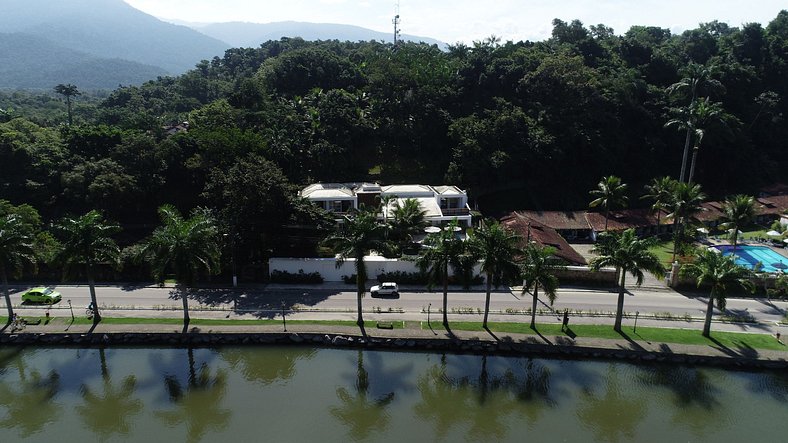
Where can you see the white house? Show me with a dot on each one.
(441, 204)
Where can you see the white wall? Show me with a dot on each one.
(328, 270)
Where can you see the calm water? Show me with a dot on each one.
(305, 394)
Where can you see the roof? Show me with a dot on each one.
(711, 211)
(558, 219)
(776, 204)
(543, 235)
(327, 191)
(407, 189)
(427, 204)
(623, 219)
(448, 191)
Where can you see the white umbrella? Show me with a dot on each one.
(786, 240)
(773, 233)
(703, 230)
(456, 228)
(432, 229)
(730, 231)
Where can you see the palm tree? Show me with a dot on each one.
(610, 191)
(16, 249)
(68, 91)
(722, 274)
(539, 271)
(443, 250)
(738, 211)
(697, 78)
(187, 247)
(705, 114)
(358, 235)
(687, 200)
(660, 191)
(408, 220)
(628, 254)
(87, 240)
(497, 249)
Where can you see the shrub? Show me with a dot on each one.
(407, 278)
(349, 279)
(300, 277)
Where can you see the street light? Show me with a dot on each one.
(232, 257)
(635, 329)
(284, 320)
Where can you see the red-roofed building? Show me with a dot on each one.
(643, 221)
(571, 225)
(532, 230)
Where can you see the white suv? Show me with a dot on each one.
(385, 289)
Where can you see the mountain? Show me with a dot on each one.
(28, 61)
(253, 34)
(110, 29)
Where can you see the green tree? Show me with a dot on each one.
(358, 235)
(443, 251)
(539, 269)
(609, 192)
(497, 249)
(16, 250)
(187, 247)
(87, 240)
(625, 252)
(68, 91)
(660, 192)
(738, 212)
(697, 79)
(408, 219)
(687, 200)
(705, 114)
(722, 274)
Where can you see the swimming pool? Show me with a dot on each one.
(749, 256)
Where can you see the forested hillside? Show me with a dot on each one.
(520, 125)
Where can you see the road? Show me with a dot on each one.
(323, 303)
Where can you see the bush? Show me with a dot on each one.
(349, 279)
(407, 278)
(300, 277)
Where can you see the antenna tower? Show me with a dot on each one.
(396, 22)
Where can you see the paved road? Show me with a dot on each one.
(340, 303)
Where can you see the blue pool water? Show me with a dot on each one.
(749, 256)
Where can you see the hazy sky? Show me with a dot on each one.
(468, 20)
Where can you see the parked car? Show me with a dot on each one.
(386, 289)
(41, 295)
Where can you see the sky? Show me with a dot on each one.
(466, 21)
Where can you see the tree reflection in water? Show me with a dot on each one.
(614, 416)
(111, 410)
(361, 411)
(29, 401)
(694, 395)
(197, 402)
(266, 365)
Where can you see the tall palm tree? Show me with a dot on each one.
(497, 249)
(87, 240)
(609, 192)
(705, 115)
(687, 200)
(660, 192)
(738, 211)
(697, 79)
(628, 254)
(358, 235)
(68, 91)
(443, 250)
(539, 271)
(187, 247)
(722, 274)
(16, 250)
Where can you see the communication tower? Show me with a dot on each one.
(396, 22)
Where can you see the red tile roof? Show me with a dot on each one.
(625, 219)
(558, 219)
(544, 235)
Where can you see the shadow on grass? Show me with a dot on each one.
(495, 337)
(632, 343)
(743, 350)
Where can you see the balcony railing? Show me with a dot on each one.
(455, 211)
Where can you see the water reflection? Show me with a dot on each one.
(361, 410)
(197, 400)
(615, 414)
(112, 409)
(266, 365)
(28, 401)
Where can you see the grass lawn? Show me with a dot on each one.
(731, 340)
(664, 251)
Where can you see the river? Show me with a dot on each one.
(282, 394)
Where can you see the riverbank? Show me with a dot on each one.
(630, 346)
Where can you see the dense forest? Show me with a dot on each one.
(519, 124)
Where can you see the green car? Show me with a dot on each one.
(41, 295)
